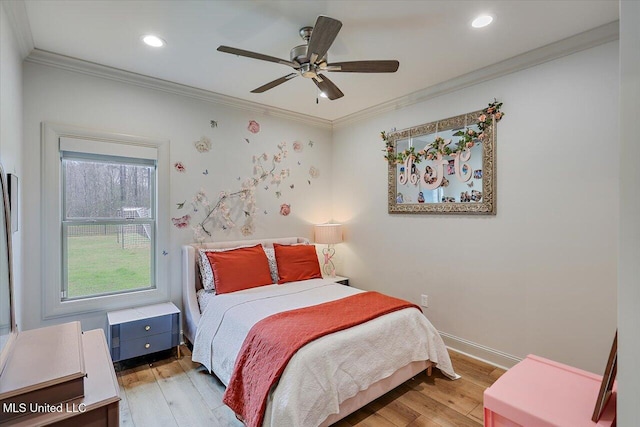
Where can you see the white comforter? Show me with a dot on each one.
(326, 371)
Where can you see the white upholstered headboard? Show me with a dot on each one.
(191, 276)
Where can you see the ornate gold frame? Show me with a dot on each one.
(488, 204)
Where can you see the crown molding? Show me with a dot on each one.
(17, 14)
(588, 39)
(68, 63)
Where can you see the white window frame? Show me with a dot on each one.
(67, 222)
(51, 216)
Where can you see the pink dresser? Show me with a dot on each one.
(538, 392)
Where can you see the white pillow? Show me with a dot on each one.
(273, 267)
(206, 273)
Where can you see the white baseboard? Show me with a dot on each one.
(491, 356)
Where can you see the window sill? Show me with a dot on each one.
(104, 303)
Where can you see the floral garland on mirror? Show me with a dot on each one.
(440, 145)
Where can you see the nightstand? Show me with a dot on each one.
(341, 280)
(143, 330)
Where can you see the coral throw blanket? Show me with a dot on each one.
(273, 341)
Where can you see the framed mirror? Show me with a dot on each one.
(444, 167)
(8, 330)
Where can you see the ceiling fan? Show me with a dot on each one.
(310, 59)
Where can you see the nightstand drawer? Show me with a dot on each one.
(145, 345)
(144, 327)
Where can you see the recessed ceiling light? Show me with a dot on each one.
(482, 21)
(153, 41)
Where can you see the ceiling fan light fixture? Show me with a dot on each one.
(310, 60)
(308, 71)
(153, 41)
(323, 95)
(482, 21)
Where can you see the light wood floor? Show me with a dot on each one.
(178, 392)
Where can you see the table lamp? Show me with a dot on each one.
(328, 234)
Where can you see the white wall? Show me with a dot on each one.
(56, 95)
(540, 276)
(11, 132)
(628, 267)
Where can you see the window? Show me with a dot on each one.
(105, 221)
(108, 224)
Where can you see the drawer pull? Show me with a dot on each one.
(147, 345)
(146, 328)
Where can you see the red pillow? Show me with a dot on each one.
(239, 269)
(297, 262)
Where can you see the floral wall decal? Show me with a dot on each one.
(254, 127)
(285, 209)
(314, 172)
(203, 145)
(251, 200)
(182, 222)
(221, 212)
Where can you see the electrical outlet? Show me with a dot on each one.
(424, 300)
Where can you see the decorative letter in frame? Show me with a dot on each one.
(420, 158)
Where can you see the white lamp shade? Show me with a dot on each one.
(328, 233)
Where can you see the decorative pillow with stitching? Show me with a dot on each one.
(206, 273)
(296, 262)
(239, 269)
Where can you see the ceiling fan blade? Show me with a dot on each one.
(254, 55)
(325, 85)
(322, 37)
(364, 67)
(274, 83)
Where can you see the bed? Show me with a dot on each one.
(328, 378)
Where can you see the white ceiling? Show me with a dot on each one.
(433, 41)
